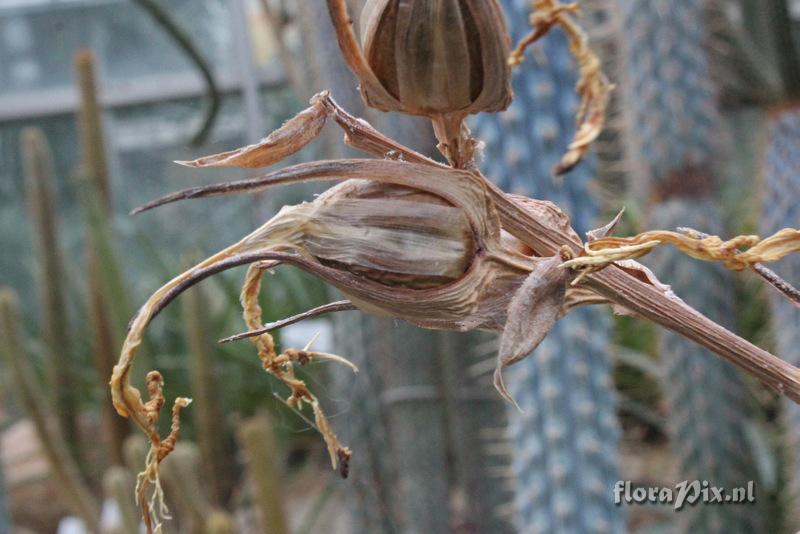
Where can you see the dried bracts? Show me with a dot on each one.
(404, 237)
(440, 247)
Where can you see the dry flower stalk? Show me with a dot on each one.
(593, 85)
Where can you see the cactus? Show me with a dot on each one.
(566, 442)
(208, 417)
(40, 179)
(219, 523)
(675, 126)
(106, 296)
(706, 397)
(780, 209)
(263, 459)
(181, 473)
(5, 517)
(90, 128)
(72, 489)
(117, 487)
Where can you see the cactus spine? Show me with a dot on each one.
(675, 127)
(71, 487)
(566, 442)
(39, 181)
(263, 459)
(780, 209)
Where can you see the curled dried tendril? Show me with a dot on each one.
(603, 252)
(593, 86)
(282, 366)
(154, 510)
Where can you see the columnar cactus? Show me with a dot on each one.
(675, 131)
(71, 487)
(5, 518)
(780, 208)
(207, 410)
(96, 196)
(40, 181)
(566, 442)
(706, 397)
(117, 484)
(257, 439)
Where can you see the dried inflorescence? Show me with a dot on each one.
(404, 237)
(442, 59)
(436, 245)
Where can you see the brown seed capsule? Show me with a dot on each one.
(437, 57)
(442, 59)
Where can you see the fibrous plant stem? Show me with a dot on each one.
(648, 302)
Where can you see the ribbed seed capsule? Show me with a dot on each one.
(437, 57)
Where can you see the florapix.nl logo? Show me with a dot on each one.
(683, 493)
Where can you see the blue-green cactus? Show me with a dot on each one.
(566, 442)
(707, 400)
(675, 129)
(779, 210)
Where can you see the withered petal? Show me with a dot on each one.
(287, 140)
(460, 188)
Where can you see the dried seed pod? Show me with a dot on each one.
(437, 57)
(442, 59)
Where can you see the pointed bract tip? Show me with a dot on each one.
(500, 386)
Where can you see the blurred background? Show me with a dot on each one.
(98, 97)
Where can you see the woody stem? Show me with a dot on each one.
(454, 141)
(648, 302)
